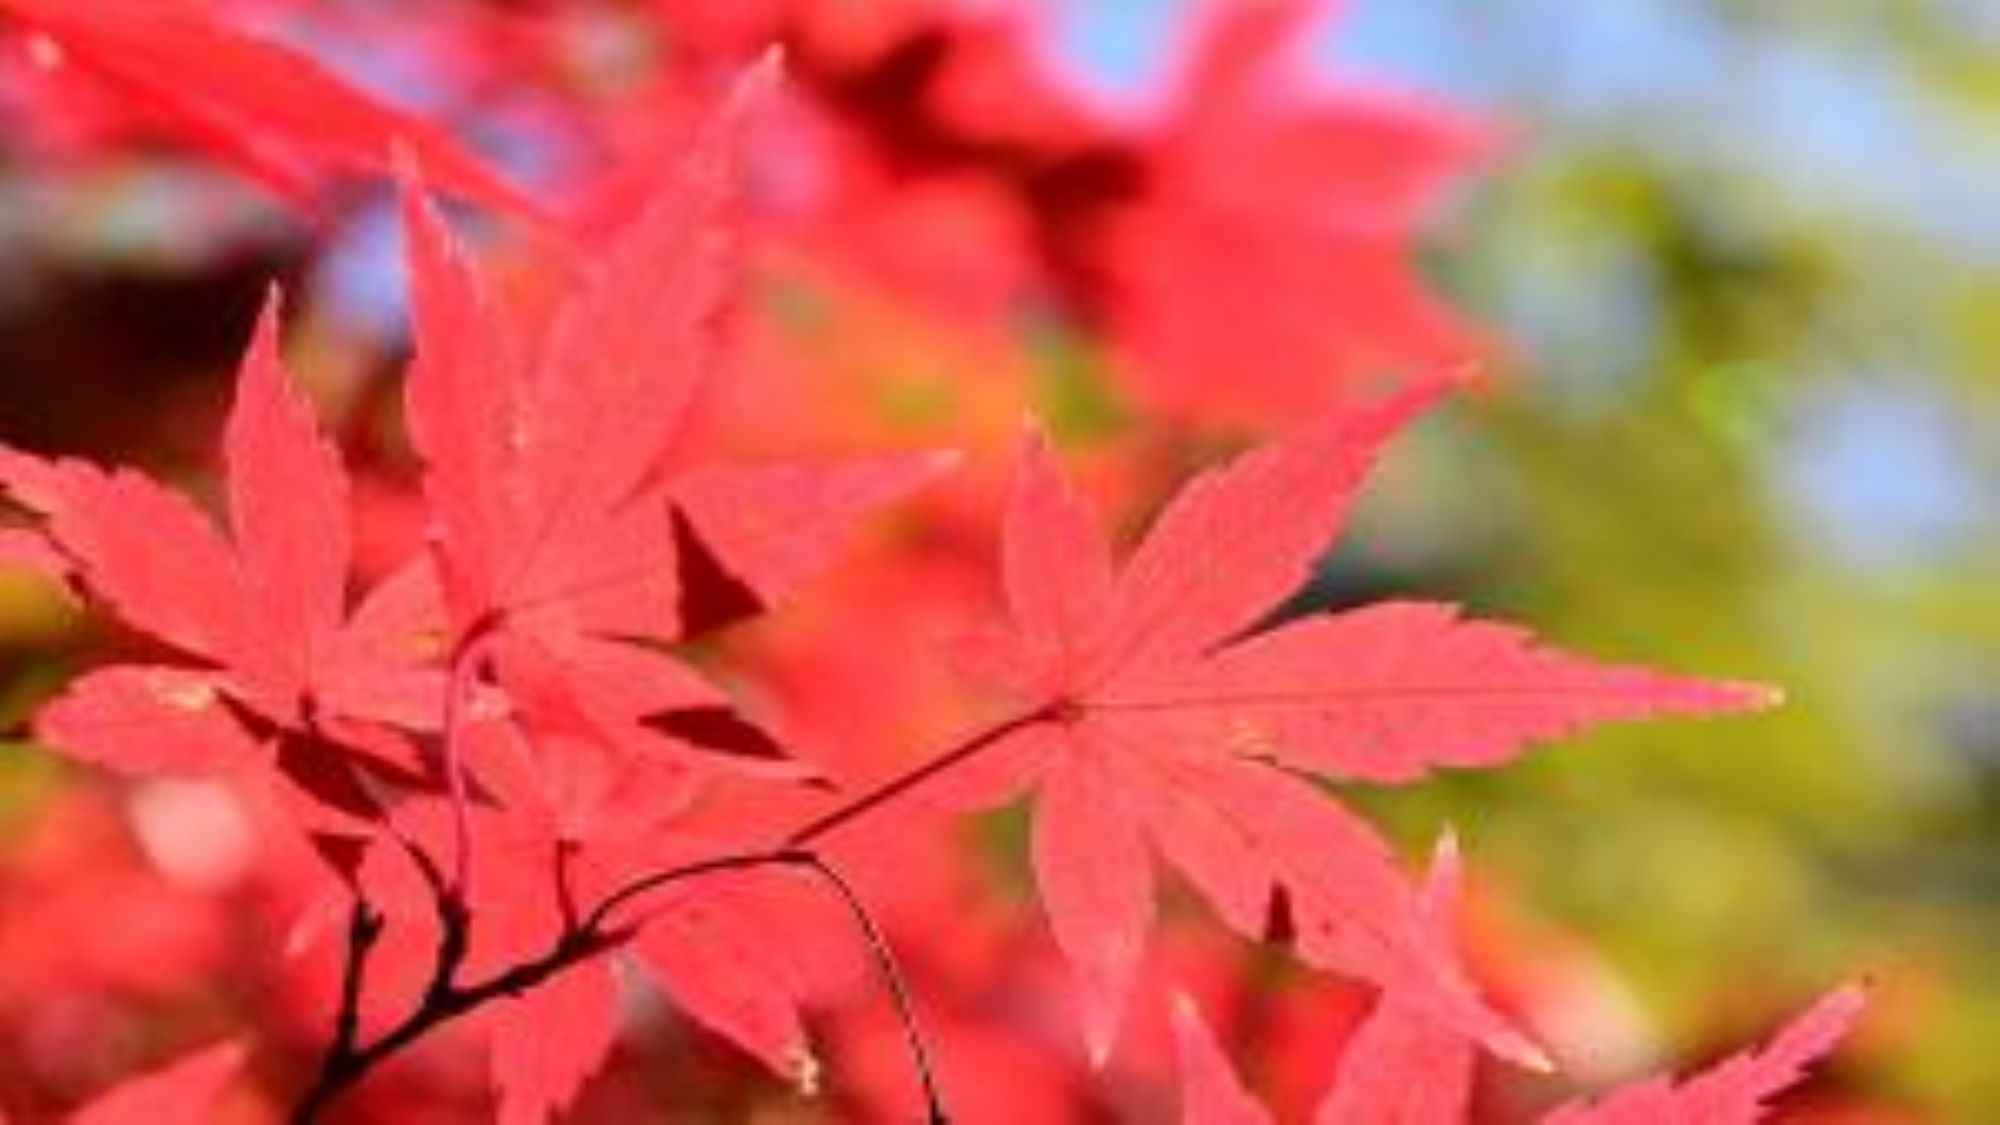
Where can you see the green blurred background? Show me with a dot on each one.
(1749, 257)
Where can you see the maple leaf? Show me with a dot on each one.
(1405, 1067)
(564, 513)
(271, 110)
(262, 614)
(1160, 718)
(182, 1092)
(1255, 171)
(1401, 1067)
(1735, 1091)
(572, 537)
(545, 453)
(741, 956)
(739, 953)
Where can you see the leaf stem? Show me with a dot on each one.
(892, 976)
(461, 678)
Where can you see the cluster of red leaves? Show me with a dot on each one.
(559, 735)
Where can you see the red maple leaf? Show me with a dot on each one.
(1404, 1066)
(547, 1042)
(575, 532)
(1735, 1091)
(1317, 193)
(1400, 1067)
(1162, 718)
(275, 653)
(555, 461)
(271, 110)
(567, 518)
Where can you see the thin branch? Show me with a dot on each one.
(454, 920)
(879, 948)
(892, 976)
(348, 1061)
(966, 748)
(597, 921)
(440, 1006)
(364, 928)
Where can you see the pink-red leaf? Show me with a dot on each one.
(1243, 834)
(461, 397)
(1238, 539)
(1738, 1090)
(1391, 691)
(272, 110)
(1055, 560)
(262, 614)
(1404, 1066)
(1095, 872)
(1159, 674)
(288, 513)
(723, 952)
(149, 553)
(548, 1041)
(145, 719)
(628, 351)
(547, 458)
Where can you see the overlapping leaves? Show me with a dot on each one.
(1167, 721)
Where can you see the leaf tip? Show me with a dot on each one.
(803, 1070)
(1740, 695)
(1101, 1017)
(1097, 1043)
(1530, 1057)
(1760, 697)
(756, 84)
(270, 316)
(770, 65)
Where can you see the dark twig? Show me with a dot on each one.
(598, 920)
(563, 860)
(967, 748)
(364, 928)
(348, 1060)
(442, 1004)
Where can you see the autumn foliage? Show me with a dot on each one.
(636, 718)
